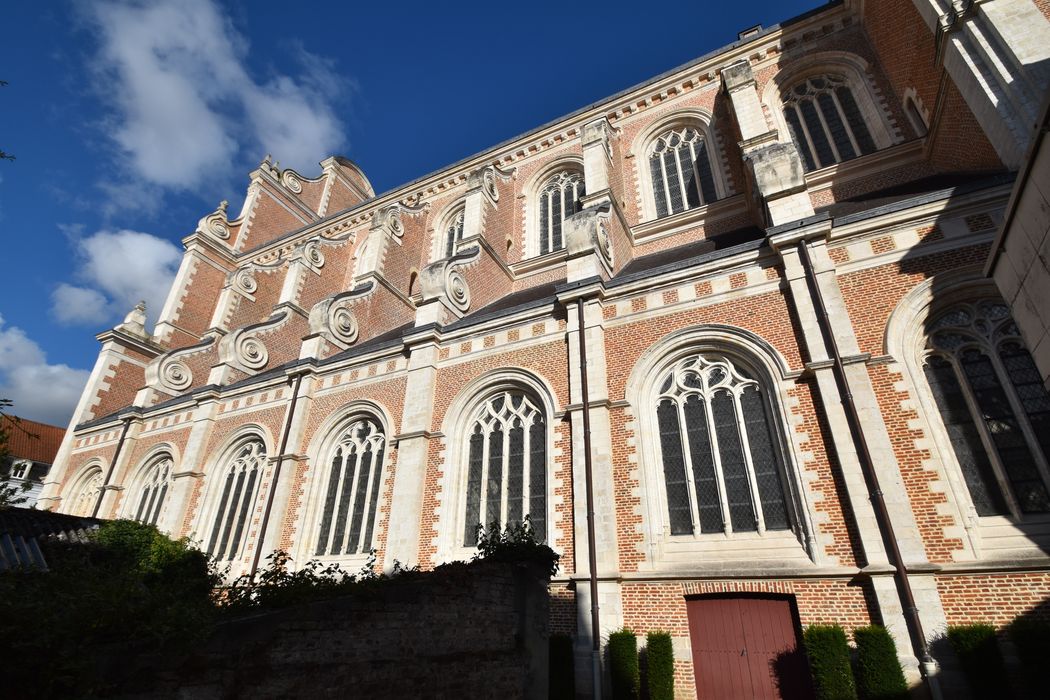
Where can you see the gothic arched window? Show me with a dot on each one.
(154, 487)
(825, 121)
(721, 467)
(680, 168)
(559, 199)
(240, 486)
(453, 233)
(352, 491)
(506, 465)
(85, 493)
(994, 407)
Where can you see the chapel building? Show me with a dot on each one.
(766, 277)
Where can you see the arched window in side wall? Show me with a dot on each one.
(721, 466)
(680, 168)
(240, 487)
(153, 489)
(506, 465)
(825, 122)
(559, 199)
(85, 493)
(453, 233)
(352, 490)
(994, 407)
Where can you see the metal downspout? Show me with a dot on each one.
(276, 476)
(882, 516)
(596, 648)
(112, 466)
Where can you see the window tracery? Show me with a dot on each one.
(85, 496)
(680, 169)
(993, 406)
(351, 494)
(825, 121)
(559, 199)
(240, 487)
(454, 233)
(721, 468)
(506, 465)
(153, 489)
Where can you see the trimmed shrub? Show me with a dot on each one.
(562, 668)
(879, 674)
(1032, 640)
(659, 656)
(623, 664)
(828, 653)
(981, 660)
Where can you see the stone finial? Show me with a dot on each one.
(135, 321)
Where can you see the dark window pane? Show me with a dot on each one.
(538, 478)
(329, 503)
(966, 441)
(516, 472)
(659, 186)
(450, 241)
(1030, 390)
(816, 133)
(473, 519)
(141, 512)
(855, 120)
(692, 187)
(734, 469)
(1006, 433)
(545, 246)
(342, 514)
(703, 466)
(225, 548)
(799, 137)
(160, 503)
(373, 501)
(494, 491)
(764, 458)
(556, 218)
(217, 525)
(674, 184)
(360, 498)
(703, 166)
(247, 503)
(835, 125)
(679, 517)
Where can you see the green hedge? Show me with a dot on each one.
(562, 668)
(980, 659)
(623, 664)
(828, 653)
(659, 657)
(879, 673)
(1032, 640)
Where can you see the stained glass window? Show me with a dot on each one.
(154, 489)
(351, 495)
(559, 199)
(240, 485)
(681, 171)
(825, 122)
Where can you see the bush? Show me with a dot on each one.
(879, 673)
(128, 590)
(516, 543)
(562, 668)
(981, 661)
(1032, 640)
(659, 656)
(623, 664)
(828, 653)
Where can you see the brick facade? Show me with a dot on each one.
(319, 286)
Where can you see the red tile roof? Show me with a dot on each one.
(27, 439)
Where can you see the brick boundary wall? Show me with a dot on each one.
(461, 631)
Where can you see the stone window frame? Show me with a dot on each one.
(455, 209)
(797, 548)
(989, 537)
(458, 421)
(214, 478)
(699, 119)
(83, 490)
(319, 452)
(857, 73)
(532, 190)
(132, 499)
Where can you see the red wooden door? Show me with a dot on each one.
(746, 648)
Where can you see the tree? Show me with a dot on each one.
(10, 495)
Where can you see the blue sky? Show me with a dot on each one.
(130, 120)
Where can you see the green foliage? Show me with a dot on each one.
(879, 673)
(828, 653)
(623, 665)
(1031, 638)
(131, 589)
(981, 660)
(562, 668)
(659, 656)
(516, 543)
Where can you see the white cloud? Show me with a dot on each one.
(116, 270)
(40, 391)
(186, 105)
